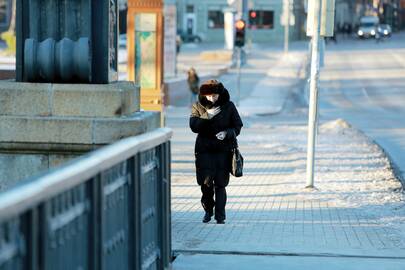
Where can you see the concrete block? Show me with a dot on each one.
(106, 131)
(79, 100)
(16, 167)
(45, 125)
(24, 99)
(55, 160)
(102, 100)
(48, 132)
(45, 130)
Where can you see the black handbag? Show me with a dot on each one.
(237, 161)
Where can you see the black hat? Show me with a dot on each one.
(211, 87)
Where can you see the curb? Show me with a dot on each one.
(392, 165)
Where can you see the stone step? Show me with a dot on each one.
(56, 132)
(82, 100)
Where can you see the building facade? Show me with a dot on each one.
(206, 19)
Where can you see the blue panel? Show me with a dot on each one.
(149, 193)
(115, 220)
(67, 230)
(12, 246)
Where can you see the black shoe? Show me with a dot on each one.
(207, 217)
(220, 221)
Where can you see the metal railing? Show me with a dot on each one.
(109, 209)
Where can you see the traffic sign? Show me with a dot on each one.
(327, 18)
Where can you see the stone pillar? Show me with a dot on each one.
(65, 101)
(43, 125)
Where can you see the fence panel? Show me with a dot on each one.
(149, 197)
(65, 230)
(107, 210)
(115, 217)
(12, 245)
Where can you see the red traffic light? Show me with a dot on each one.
(253, 14)
(240, 24)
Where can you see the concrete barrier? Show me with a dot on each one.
(177, 90)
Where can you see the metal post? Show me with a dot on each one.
(313, 102)
(287, 25)
(244, 10)
(238, 80)
(245, 17)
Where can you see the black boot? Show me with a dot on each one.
(207, 217)
(220, 221)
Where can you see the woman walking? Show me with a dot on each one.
(216, 120)
(193, 83)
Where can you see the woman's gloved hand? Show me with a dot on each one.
(221, 135)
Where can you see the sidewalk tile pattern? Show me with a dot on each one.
(270, 211)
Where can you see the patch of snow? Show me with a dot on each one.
(337, 125)
(353, 178)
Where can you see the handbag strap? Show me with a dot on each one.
(235, 143)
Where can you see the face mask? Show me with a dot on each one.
(212, 98)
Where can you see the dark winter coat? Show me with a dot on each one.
(213, 156)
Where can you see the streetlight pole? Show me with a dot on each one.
(287, 25)
(238, 78)
(244, 16)
(244, 10)
(313, 109)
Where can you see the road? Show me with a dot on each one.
(363, 82)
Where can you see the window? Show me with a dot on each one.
(4, 12)
(190, 9)
(215, 19)
(261, 19)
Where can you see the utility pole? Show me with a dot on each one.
(244, 16)
(240, 29)
(238, 79)
(244, 10)
(286, 25)
(313, 101)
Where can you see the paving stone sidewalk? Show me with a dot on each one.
(357, 208)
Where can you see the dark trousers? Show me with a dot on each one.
(208, 202)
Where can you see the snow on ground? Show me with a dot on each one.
(363, 83)
(343, 154)
(356, 209)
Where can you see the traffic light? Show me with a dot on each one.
(253, 18)
(253, 14)
(240, 26)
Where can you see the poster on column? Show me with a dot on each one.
(145, 50)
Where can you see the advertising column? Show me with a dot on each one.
(170, 41)
(229, 21)
(145, 50)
